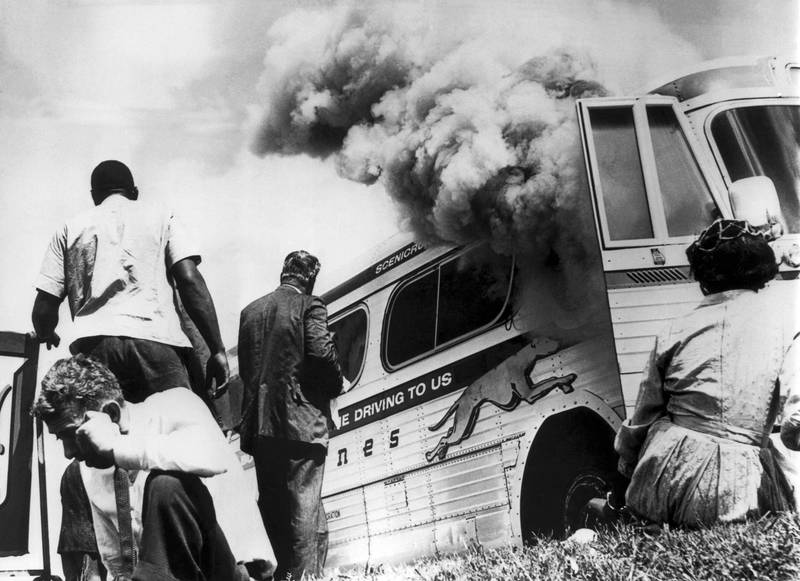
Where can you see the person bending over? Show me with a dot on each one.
(143, 466)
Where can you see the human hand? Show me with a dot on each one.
(96, 439)
(51, 340)
(217, 371)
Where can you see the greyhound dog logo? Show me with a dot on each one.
(504, 386)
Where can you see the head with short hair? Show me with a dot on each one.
(300, 268)
(78, 384)
(731, 254)
(112, 177)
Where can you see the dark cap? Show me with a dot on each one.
(112, 175)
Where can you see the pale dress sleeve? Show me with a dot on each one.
(651, 404)
(182, 435)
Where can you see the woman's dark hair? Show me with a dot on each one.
(731, 254)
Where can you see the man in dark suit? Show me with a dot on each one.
(290, 370)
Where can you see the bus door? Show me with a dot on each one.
(651, 196)
(19, 354)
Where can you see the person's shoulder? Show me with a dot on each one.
(152, 209)
(316, 301)
(175, 399)
(81, 219)
(780, 302)
(258, 304)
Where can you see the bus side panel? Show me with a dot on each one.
(447, 487)
(638, 315)
(347, 528)
(470, 500)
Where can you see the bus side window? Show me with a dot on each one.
(620, 171)
(471, 295)
(457, 299)
(763, 140)
(688, 205)
(350, 336)
(412, 321)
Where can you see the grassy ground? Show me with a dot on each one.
(768, 550)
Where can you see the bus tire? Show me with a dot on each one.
(562, 502)
(585, 484)
(571, 461)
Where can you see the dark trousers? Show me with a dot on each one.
(181, 539)
(142, 367)
(289, 476)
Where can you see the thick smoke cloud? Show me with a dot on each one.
(472, 132)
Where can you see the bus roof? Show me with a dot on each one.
(731, 74)
(402, 250)
(389, 261)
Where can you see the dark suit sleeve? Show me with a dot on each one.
(320, 349)
(246, 363)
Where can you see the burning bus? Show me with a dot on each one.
(486, 386)
(483, 407)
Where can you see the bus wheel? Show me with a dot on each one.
(586, 484)
(571, 461)
(556, 504)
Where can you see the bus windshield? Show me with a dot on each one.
(764, 140)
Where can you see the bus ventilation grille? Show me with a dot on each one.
(658, 275)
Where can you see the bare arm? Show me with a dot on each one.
(198, 303)
(45, 318)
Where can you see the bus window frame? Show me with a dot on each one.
(647, 158)
(502, 315)
(715, 111)
(347, 311)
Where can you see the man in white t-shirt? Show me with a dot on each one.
(116, 265)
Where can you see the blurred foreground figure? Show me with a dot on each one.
(290, 370)
(141, 463)
(697, 448)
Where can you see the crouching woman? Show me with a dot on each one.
(697, 447)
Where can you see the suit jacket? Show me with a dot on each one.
(289, 367)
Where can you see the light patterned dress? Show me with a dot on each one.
(697, 447)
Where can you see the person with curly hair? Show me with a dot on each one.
(697, 447)
(151, 472)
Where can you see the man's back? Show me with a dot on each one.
(290, 371)
(111, 262)
(289, 367)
